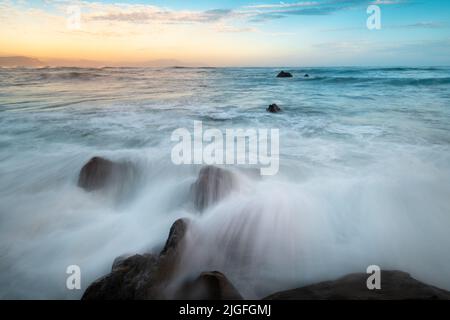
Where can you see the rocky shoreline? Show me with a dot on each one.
(156, 276)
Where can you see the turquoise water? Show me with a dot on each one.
(364, 173)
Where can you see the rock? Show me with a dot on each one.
(102, 174)
(284, 74)
(395, 285)
(141, 276)
(96, 173)
(176, 235)
(273, 108)
(126, 282)
(212, 185)
(306, 75)
(208, 286)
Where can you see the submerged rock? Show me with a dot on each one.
(212, 185)
(141, 276)
(274, 108)
(208, 286)
(284, 74)
(395, 285)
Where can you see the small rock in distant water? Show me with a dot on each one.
(284, 74)
(274, 108)
(306, 75)
(212, 185)
(395, 285)
(208, 286)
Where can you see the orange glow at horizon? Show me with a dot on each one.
(39, 34)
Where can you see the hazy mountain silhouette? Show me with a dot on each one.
(21, 61)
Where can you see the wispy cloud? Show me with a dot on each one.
(284, 5)
(425, 25)
(148, 14)
(264, 12)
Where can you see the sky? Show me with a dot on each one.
(229, 33)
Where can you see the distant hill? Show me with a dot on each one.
(81, 63)
(20, 61)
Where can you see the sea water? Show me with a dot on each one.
(364, 174)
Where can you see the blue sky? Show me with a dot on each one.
(310, 32)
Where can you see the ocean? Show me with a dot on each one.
(363, 175)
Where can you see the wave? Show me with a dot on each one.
(381, 80)
(72, 75)
(421, 82)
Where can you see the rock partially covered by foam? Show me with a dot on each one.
(118, 178)
(212, 185)
(212, 285)
(130, 279)
(395, 285)
(142, 276)
(284, 74)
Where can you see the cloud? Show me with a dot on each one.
(426, 25)
(388, 2)
(234, 29)
(264, 12)
(148, 14)
(142, 13)
(284, 5)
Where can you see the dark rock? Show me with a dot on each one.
(126, 282)
(306, 75)
(273, 108)
(212, 185)
(99, 173)
(141, 276)
(208, 286)
(284, 74)
(395, 285)
(102, 174)
(96, 173)
(176, 235)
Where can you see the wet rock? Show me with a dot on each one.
(176, 235)
(127, 281)
(284, 74)
(208, 286)
(96, 173)
(118, 178)
(306, 75)
(141, 276)
(395, 285)
(100, 173)
(274, 108)
(212, 185)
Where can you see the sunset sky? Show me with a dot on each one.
(229, 33)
